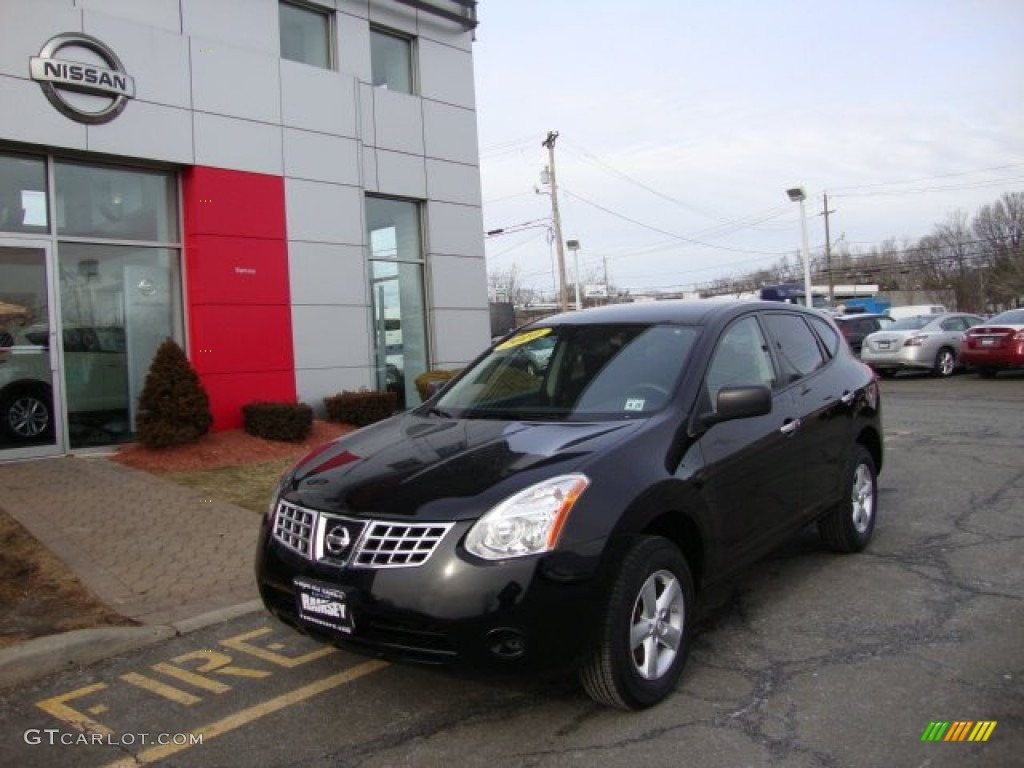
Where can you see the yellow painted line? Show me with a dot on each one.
(191, 678)
(161, 689)
(246, 716)
(57, 707)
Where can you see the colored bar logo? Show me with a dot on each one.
(959, 730)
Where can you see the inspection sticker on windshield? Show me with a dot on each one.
(522, 338)
(634, 404)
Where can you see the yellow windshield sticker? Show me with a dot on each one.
(522, 338)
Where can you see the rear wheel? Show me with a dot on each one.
(645, 635)
(849, 525)
(945, 362)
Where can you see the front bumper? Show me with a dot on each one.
(452, 609)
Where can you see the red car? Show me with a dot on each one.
(996, 345)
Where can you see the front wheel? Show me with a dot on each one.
(27, 415)
(645, 635)
(945, 363)
(848, 526)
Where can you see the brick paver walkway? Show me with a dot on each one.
(154, 551)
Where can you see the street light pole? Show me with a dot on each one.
(797, 195)
(574, 246)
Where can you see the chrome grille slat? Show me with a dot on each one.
(397, 545)
(381, 544)
(293, 527)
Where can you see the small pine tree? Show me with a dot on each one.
(174, 409)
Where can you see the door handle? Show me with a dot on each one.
(790, 427)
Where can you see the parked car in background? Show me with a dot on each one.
(95, 376)
(921, 343)
(997, 344)
(856, 326)
(913, 310)
(572, 516)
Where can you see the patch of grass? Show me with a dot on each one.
(248, 485)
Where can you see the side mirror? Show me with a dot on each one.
(739, 403)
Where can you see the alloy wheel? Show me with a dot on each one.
(862, 498)
(657, 627)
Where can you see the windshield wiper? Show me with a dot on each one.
(439, 412)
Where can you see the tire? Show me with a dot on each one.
(848, 526)
(945, 363)
(987, 373)
(645, 633)
(27, 415)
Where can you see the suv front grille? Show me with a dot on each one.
(374, 544)
(293, 527)
(394, 545)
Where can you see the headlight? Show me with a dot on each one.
(528, 522)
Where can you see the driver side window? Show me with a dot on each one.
(741, 359)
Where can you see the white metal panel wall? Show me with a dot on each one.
(156, 14)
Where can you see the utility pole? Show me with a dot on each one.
(563, 294)
(828, 253)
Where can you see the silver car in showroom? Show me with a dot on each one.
(922, 343)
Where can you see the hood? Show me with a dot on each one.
(442, 469)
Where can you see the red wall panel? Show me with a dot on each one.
(236, 289)
(237, 270)
(241, 338)
(234, 203)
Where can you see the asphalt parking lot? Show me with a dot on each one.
(807, 659)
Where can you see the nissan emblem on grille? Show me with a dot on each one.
(337, 540)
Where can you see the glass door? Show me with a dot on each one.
(30, 422)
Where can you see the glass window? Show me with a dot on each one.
(391, 61)
(396, 294)
(740, 360)
(23, 194)
(118, 304)
(797, 348)
(305, 34)
(115, 203)
(830, 338)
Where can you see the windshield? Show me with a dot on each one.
(572, 372)
(910, 323)
(1010, 317)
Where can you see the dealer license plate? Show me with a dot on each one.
(324, 605)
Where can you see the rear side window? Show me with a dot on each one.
(830, 338)
(794, 344)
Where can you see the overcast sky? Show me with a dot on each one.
(683, 122)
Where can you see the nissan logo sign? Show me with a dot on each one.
(60, 77)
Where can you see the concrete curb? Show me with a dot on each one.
(49, 655)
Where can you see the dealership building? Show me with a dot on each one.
(289, 189)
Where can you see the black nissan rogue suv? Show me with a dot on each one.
(525, 516)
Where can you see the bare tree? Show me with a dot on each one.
(1000, 228)
(506, 285)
